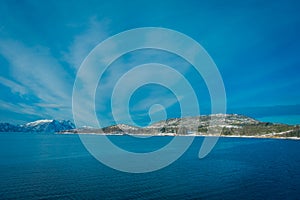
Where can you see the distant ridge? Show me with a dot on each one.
(45, 125)
(234, 125)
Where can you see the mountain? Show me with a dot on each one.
(6, 127)
(226, 124)
(38, 126)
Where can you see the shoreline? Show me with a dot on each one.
(176, 135)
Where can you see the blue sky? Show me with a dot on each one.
(255, 45)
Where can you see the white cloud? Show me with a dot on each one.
(153, 100)
(15, 87)
(18, 108)
(85, 42)
(39, 74)
(37, 70)
(50, 105)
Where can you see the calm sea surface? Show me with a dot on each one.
(50, 166)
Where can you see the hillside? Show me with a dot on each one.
(226, 124)
(234, 125)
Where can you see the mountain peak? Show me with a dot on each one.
(41, 121)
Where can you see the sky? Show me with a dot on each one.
(255, 45)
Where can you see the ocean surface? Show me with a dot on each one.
(51, 166)
(286, 119)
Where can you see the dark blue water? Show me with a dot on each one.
(49, 166)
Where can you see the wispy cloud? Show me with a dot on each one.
(19, 108)
(164, 101)
(37, 70)
(39, 74)
(14, 87)
(85, 42)
(125, 63)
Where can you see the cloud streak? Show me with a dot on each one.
(85, 42)
(39, 74)
(14, 87)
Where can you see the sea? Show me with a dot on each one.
(53, 166)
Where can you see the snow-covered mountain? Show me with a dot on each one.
(45, 125)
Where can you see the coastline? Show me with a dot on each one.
(181, 135)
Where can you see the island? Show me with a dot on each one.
(229, 125)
